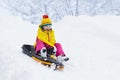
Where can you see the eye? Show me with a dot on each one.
(49, 25)
(45, 26)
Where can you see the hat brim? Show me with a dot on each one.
(41, 26)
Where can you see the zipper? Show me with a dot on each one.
(48, 36)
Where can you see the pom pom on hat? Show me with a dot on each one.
(45, 16)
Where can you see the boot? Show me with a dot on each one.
(62, 58)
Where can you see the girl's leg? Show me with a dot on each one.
(39, 45)
(59, 49)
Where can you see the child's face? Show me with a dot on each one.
(47, 27)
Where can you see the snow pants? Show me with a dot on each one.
(40, 44)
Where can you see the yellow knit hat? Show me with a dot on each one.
(46, 20)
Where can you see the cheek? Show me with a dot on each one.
(44, 27)
(50, 28)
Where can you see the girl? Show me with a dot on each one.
(46, 42)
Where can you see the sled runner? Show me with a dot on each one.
(30, 51)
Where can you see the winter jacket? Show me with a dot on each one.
(46, 36)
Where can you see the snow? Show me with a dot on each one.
(91, 43)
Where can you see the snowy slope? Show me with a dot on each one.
(92, 43)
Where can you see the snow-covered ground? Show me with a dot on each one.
(92, 43)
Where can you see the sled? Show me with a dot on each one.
(29, 50)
